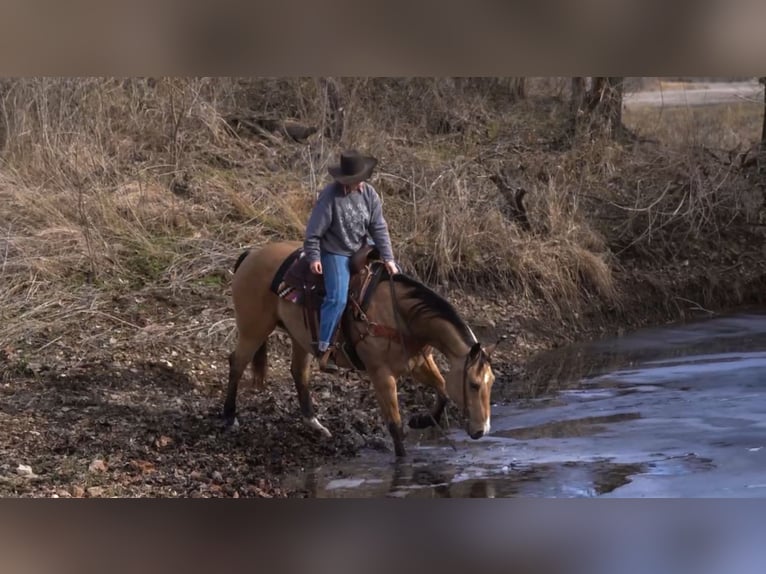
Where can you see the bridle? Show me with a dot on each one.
(465, 387)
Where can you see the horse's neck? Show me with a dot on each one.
(444, 337)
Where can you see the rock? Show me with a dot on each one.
(97, 465)
(163, 441)
(214, 488)
(63, 493)
(217, 476)
(25, 471)
(95, 491)
(78, 491)
(143, 466)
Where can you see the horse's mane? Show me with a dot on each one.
(431, 304)
(240, 259)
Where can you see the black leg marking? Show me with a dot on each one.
(425, 421)
(398, 436)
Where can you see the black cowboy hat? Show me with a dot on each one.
(353, 168)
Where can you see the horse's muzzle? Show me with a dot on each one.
(476, 435)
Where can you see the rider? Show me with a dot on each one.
(348, 210)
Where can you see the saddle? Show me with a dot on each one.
(299, 276)
(295, 282)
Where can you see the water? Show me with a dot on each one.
(668, 412)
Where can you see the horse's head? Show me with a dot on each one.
(475, 386)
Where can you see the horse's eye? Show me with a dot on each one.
(475, 386)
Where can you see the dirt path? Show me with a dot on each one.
(684, 94)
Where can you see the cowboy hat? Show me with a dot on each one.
(353, 167)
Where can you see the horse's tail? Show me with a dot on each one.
(240, 259)
(260, 364)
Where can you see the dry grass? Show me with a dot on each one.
(113, 185)
(719, 127)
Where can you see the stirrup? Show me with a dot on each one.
(327, 361)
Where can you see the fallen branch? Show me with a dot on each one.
(514, 198)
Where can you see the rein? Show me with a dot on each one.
(465, 389)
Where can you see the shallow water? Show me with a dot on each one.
(679, 412)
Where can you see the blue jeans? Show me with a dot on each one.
(337, 274)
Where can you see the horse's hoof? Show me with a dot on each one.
(231, 424)
(314, 423)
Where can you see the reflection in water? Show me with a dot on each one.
(434, 481)
(566, 367)
(570, 428)
(611, 477)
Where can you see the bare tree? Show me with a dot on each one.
(604, 103)
(334, 109)
(762, 80)
(577, 103)
(4, 127)
(518, 88)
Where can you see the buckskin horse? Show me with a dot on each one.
(388, 331)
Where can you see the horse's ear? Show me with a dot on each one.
(475, 351)
(491, 349)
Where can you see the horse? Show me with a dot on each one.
(422, 319)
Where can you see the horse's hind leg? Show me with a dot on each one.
(248, 349)
(426, 371)
(300, 368)
(260, 364)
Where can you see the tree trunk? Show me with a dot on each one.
(614, 107)
(578, 96)
(605, 103)
(518, 89)
(576, 106)
(334, 121)
(762, 81)
(4, 127)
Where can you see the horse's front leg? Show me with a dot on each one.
(425, 371)
(384, 383)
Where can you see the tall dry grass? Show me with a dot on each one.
(111, 185)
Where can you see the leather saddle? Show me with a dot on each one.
(299, 275)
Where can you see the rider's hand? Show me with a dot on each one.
(392, 268)
(316, 267)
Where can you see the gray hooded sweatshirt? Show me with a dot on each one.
(340, 222)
